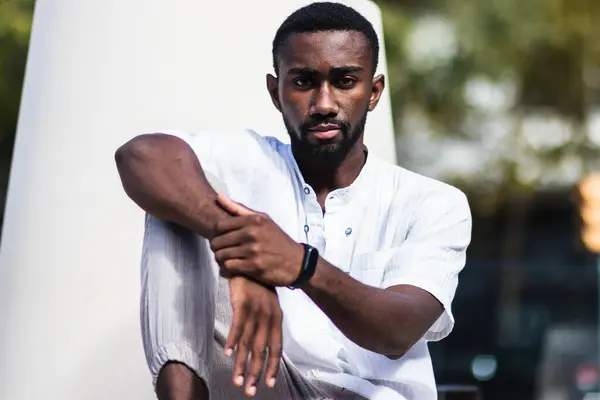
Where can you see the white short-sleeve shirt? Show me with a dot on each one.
(389, 227)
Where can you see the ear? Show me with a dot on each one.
(376, 91)
(273, 88)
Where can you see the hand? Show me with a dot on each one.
(251, 244)
(256, 331)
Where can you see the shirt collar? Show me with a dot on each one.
(341, 195)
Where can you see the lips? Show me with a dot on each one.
(325, 131)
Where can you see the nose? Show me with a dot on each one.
(324, 102)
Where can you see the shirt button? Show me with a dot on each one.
(348, 231)
(306, 228)
(306, 190)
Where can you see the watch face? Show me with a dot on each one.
(309, 263)
(313, 254)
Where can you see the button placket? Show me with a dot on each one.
(313, 225)
(334, 225)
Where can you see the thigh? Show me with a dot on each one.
(335, 392)
(177, 297)
(290, 385)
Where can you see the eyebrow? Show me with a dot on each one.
(332, 71)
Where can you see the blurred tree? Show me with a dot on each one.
(462, 73)
(466, 71)
(15, 25)
(506, 92)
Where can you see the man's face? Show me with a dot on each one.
(324, 90)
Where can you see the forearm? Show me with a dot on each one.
(376, 319)
(162, 175)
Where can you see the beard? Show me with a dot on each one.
(325, 153)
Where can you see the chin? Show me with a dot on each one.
(329, 153)
(332, 151)
(329, 148)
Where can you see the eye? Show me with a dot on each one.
(346, 82)
(302, 83)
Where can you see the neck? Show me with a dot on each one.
(325, 177)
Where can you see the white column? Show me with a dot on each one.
(100, 72)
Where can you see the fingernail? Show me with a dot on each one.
(239, 380)
(228, 352)
(271, 382)
(251, 391)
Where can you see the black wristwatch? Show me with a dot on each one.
(309, 264)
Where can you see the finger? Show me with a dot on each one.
(237, 327)
(229, 239)
(230, 224)
(275, 350)
(228, 205)
(235, 223)
(231, 253)
(241, 266)
(233, 207)
(242, 351)
(225, 274)
(257, 359)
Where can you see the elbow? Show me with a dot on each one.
(136, 159)
(397, 351)
(135, 156)
(137, 149)
(392, 343)
(395, 357)
(398, 347)
(390, 347)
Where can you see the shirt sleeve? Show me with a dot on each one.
(233, 161)
(434, 253)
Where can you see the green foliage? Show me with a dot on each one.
(548, 51)
(15, 25)
(496, 38)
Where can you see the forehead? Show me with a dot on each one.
(323, 50)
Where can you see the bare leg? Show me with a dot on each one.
(186, 314)
(178, 382)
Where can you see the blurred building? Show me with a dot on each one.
(501, 99)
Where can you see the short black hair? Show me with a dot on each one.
(325, 16)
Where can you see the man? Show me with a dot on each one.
(336, 267)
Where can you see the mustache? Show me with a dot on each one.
(314, 122)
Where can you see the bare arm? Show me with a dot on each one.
(163, 176)
(390, 321)
(385, 321)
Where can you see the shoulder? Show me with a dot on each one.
(227, 137)
(419, 194)
(234, 145)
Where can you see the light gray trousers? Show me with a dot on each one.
(186, 315)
